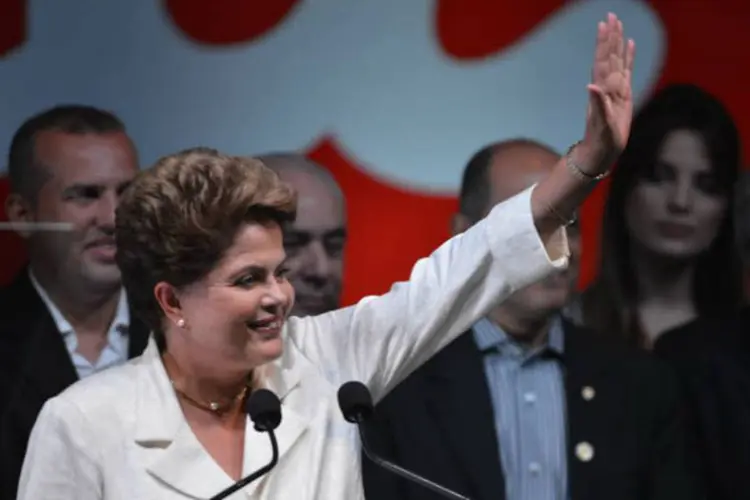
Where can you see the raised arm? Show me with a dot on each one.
(380, 340)
(608, 119)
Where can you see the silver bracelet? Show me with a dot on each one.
(578, 171)
(564, 221)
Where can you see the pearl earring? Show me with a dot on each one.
(180, 322)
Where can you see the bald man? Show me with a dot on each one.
(315, 243)
(497, 173)
(526, 405)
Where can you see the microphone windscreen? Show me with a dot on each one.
(355, 402)
(264, 409)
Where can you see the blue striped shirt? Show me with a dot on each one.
(528, 398)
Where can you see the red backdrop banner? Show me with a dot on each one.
(391, 227)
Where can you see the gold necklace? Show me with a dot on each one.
(212, 406)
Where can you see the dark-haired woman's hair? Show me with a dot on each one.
(610, 304)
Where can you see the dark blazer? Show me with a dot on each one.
(439, 423)
(34, 366)
(712, 358)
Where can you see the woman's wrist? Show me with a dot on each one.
(590, 160)
(556, 199)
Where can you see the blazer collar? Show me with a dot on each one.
(458, 397)
(34, 333)
(587, 354)
(172, 452)
(592, 392)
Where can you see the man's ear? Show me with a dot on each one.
(459, 223)
(167, 297)
(19, 210)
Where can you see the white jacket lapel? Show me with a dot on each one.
(173, 454)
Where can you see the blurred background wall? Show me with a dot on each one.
(392, 96)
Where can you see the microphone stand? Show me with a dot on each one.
(255, 475)
(400, 471)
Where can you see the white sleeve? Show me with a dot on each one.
(380, 340)
(59, 464)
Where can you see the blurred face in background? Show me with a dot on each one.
(315, 243)
(512, 172)
(676, 208)
(84, 177)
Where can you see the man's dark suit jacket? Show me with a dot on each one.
(439, 423)
(34, 366)
(712, 358)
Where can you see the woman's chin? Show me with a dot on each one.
(268, 350)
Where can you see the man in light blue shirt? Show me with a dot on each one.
(526, 405)
(521, 340)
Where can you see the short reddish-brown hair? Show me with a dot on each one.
(176, 220)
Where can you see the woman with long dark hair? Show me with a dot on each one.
(668, 254)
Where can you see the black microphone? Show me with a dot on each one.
(356, 405)
(264, 409)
